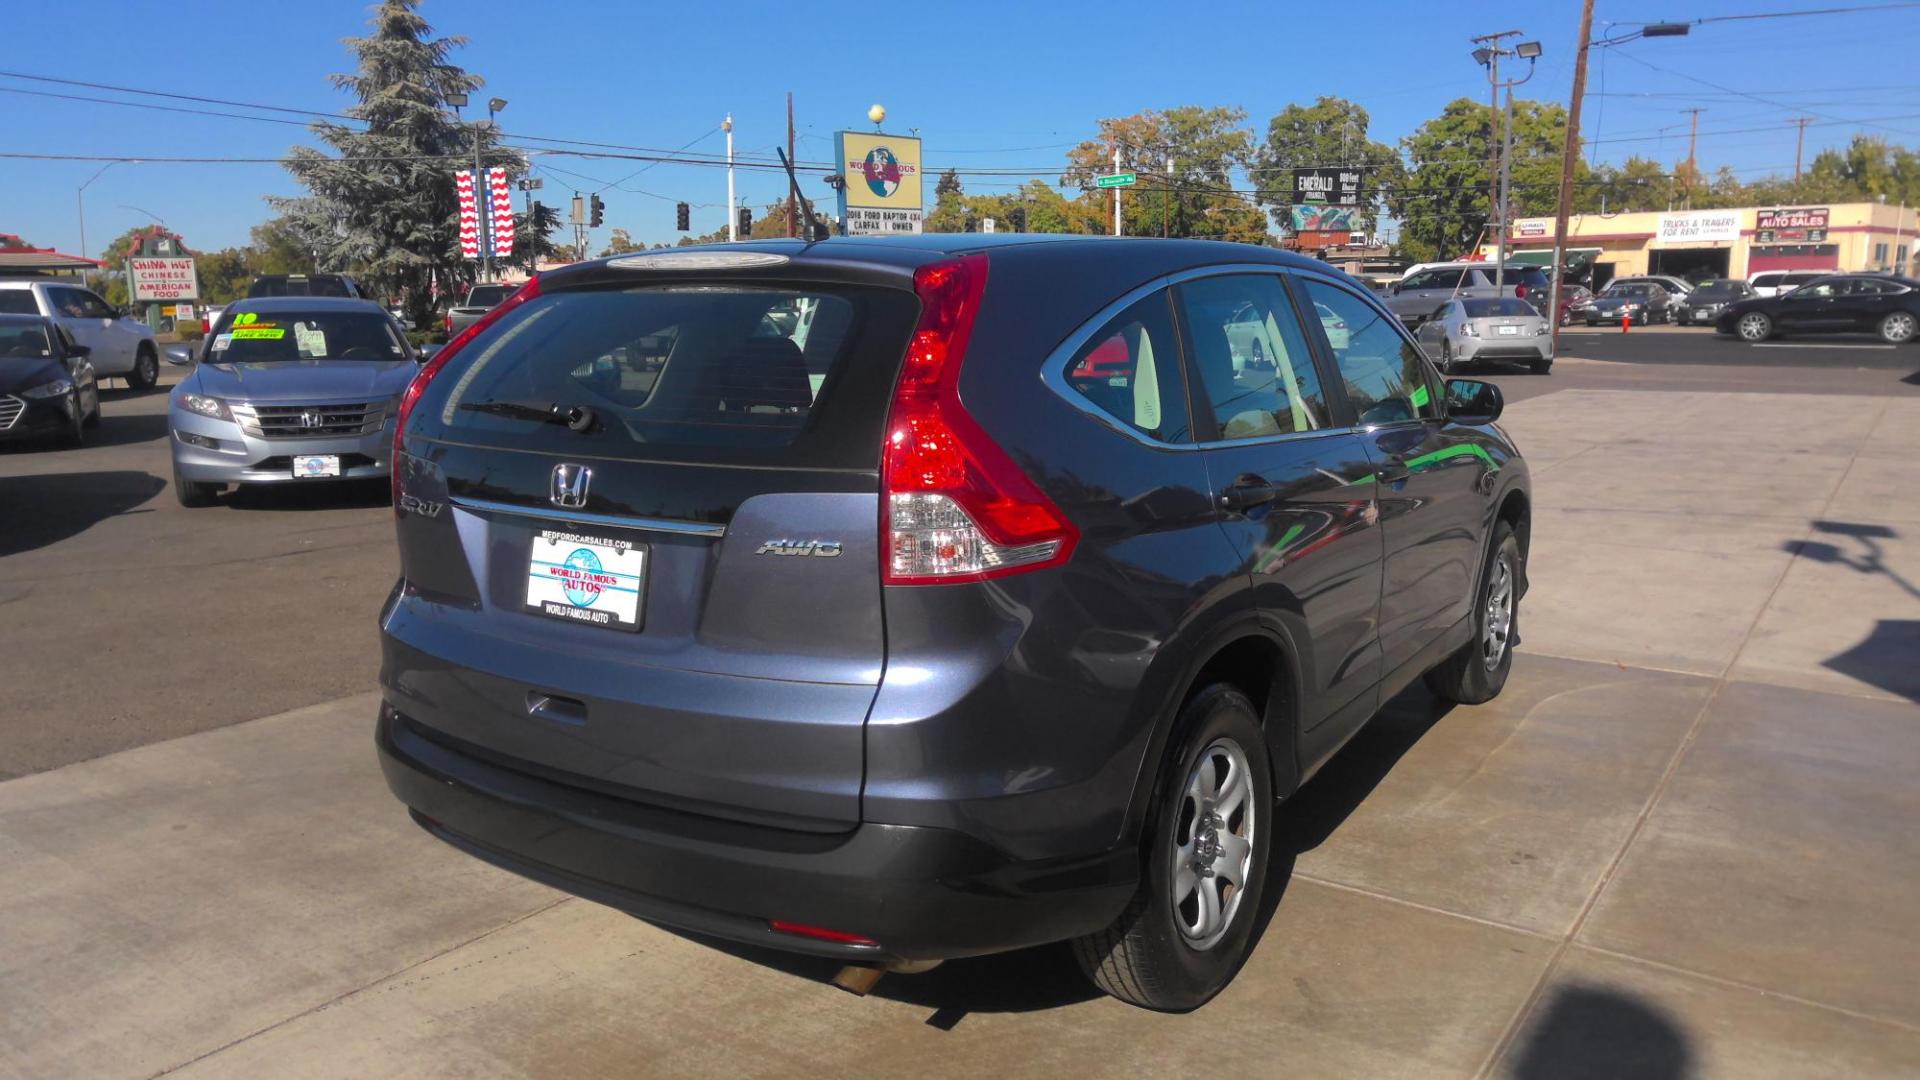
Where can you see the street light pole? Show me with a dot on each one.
(1489, 55)
(733, 217)
(80, 204)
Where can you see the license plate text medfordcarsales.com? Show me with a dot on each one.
(163, 279)
(866, 221)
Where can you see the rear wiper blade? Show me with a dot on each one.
(572, 417)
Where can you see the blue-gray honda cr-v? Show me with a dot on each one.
(913, 598)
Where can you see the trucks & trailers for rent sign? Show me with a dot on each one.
(1699, 226)
(162, 279)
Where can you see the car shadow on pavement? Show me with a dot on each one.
(1583, 1031)
(324, 495)
(49, 507)
(123, 430)
(1885, 657)
(1048, 977)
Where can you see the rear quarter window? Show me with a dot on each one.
(713, 374)
(18, 302)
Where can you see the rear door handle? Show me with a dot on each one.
(1246, 492)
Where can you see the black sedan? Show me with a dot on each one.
(47, 386)
(1840, 303)
(1639, 302)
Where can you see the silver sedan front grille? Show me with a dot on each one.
(10, 410)
(310, 421)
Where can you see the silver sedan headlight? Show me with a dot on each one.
(206, 406)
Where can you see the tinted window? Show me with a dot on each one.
(1791, 280)
(705, 373)
(1500, 308)
(1877, 287)
(280, 336)
(1381, 368)
(18, 302)
(488, 295)
(24, 340)
(1435, 279)
(1130, 370)
(1252, 356)
(1639, 290)
(1723, 290)
(302, 285)
(1830, 287)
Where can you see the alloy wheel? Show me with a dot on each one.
(1899, 327)
(1499, 621)
(1754, 327)
(1213, 844)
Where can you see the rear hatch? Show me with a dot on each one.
(700, 624)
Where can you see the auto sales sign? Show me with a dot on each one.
(162, 279)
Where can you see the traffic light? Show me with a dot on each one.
(536, 213)
(596, 211)
(746, 220)
(683, 217)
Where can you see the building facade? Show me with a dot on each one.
(1699, 244)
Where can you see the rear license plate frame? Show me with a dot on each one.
(588, 579)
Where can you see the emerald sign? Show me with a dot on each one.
(1124, 179)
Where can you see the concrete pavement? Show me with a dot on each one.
(1678, 845)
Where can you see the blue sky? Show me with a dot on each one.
(988, 85)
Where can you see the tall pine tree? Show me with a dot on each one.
(382, 205)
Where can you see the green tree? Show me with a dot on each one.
(225, 274)
(1635, 184)
(1206, 146)
(1443, 202)
(533, 237)
(277, 247)
(623, 243)
(1332, 131)
(383, 203)
(949, 206)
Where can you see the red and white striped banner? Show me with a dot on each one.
(501, 198)
(469, 215)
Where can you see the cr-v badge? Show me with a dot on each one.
(569, 488)
(825, 549)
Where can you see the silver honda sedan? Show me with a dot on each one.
(288, 390)
(1472, 329)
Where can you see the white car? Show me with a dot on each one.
(117, 346)
(1776, 282)
(1474, 329)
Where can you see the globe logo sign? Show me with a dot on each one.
(882, 171)
(581, 588)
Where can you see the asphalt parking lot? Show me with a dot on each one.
(1680, 844)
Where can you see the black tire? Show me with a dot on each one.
(146, 369)
(1540, 367)
(192, 494)
(1146, 957)
(1593, 322)
(1899, 327)
(93, 418)
(1467, 677)
(75, 436)
(1446, 358)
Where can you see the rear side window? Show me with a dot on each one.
(722, 374)
(17, 302)
(1130, 370)
(1381, 369)
(1256, 375)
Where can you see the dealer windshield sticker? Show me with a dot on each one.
(245, 319)
(259, 333)
(311, 341)
(221, 341)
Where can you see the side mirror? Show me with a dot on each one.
(425, 352)
(1471, 401)
(178, 354)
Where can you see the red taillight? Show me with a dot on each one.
(206, 326)
(954, 506)
(1520, 292)
(840, 937)
(438, 363)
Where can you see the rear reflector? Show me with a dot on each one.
(840, 937)
(438, 363)
(957, 508)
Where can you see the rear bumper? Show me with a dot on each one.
(917, 893)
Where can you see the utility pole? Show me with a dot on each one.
(1800, 143)
(1569, 154)
(1166, 199)
(793, 207)
(733, 218)
(1116, 190)
(1693, 142)
(1489, 54)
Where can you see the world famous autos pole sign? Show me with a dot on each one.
(882, 193)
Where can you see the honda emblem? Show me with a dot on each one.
(313, 418)
(569, 487)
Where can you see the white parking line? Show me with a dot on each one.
(1786, 345)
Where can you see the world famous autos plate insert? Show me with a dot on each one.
(587, 579)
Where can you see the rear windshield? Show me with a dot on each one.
(724, 374)
(24, 340)
(1501, 308)
(487, 295)
(1531, 276)
(316, 285)
(1720, 290)
(279, 336)
(17, 302)
(1637, 288)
